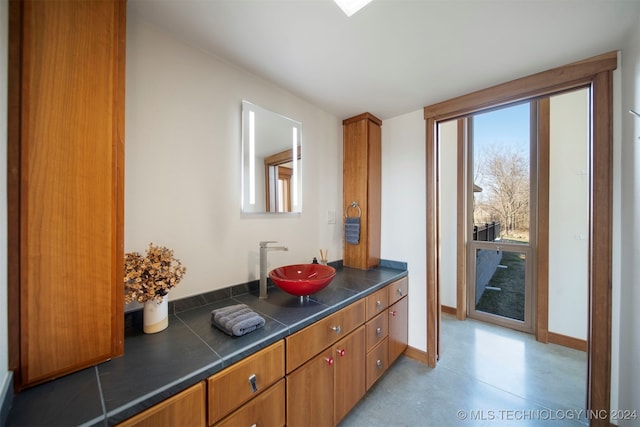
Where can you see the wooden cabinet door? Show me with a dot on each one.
(66, 184)
(398, 328)
(310, 391)
(185, 409)
(349, 381)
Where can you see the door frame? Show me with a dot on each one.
(528, 325)
(597, 74)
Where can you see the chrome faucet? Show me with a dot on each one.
(263, 264)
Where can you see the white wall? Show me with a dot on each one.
(404, 211)
(448, 134)
(569, 214)
(5, 375)
(182, 164)
(629, 344)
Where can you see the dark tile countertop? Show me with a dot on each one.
(155, 367)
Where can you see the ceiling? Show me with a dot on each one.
(394, 56)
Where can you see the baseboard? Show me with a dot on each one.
(449, 310)
(6, 398)
(567, 341)
(415, 354)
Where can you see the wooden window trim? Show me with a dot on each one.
(596, 73)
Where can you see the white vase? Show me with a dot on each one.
(155, 316)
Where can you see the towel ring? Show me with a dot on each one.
(353, 205)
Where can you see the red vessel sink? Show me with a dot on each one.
(302, 279)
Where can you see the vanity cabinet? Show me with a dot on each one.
(186, 409)
(328, 372)
(65, 186)
(324, 389)
(362, 159)
(325, 367)
(313, 377)
(243, 388)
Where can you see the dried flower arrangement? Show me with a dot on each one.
(152, 276)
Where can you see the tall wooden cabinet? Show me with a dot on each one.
(65, 185)
(362, 186)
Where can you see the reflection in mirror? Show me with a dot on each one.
(271, 161)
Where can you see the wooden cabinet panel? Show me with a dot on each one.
(376, 303)
(185, 409)
(377, 329)
(377, 362)
(66, 180)
(233, 386)
(304, 344)
(310, 392)
(362, 158)
(323, 391)
(349, 381)
(398, 328)
(398, 289)
(266, 410)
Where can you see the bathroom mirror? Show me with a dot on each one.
(271, 162)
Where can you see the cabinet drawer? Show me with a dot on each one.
(377, 329)
(186, 408)
(377, 362)
(398, 289)
(376, 303)
(232, 386)
(304, 344)
(267, 409)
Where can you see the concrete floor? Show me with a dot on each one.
(487, 376)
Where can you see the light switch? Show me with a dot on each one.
(331, 217)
